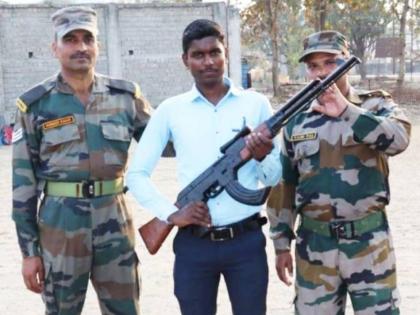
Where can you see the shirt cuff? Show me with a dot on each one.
(30, 249)
(269, 170)
(166, 214)
(281, 244)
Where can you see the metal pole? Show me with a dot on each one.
(227, 32)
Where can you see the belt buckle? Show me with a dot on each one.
(226, 233)
(88, 189)
(337, 230)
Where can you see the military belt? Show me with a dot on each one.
(85, 189)
(345, 229)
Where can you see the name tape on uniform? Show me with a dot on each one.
(67, 120)
(304, 136)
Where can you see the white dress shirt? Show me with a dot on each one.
(198, 129)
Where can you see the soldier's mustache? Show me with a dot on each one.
(79, 55)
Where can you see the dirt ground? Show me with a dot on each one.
(157, 287)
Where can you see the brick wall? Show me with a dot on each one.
(140, 42)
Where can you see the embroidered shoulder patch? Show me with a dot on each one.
(62, 121)
(17, 135)
(303, 137)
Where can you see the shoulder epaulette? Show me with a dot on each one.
(124, 85)
(373, 93)
(34, 94)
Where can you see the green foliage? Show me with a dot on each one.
(291, 31)
(317, 11)
(362, 21)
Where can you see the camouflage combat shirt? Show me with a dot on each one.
(58, 138)
(337, 168)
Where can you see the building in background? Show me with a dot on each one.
(139, 42)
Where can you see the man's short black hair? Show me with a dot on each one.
(199, 29)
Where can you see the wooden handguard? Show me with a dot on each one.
(154, 234)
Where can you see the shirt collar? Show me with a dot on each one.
(195, 94)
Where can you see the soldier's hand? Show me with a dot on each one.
(284, 261)
(33, 273)
(259, 142)
(331, 103)
(195, 212)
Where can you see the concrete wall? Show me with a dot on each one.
(140, 42)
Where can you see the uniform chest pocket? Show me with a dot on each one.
(60, 146)
(305, 149)
(117, 143)
(306, 155)
(115, 132)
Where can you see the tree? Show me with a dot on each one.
(272, 8)
(400, 11)
(362, 21)
(316, 13)
(276, 28)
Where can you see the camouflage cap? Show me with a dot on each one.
(326, 41)
(69, 19)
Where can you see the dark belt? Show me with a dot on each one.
(230, 231)
(345, 229)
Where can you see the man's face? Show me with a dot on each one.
(77, 51)
(320, 64)
(205, 59)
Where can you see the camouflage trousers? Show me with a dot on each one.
(88, 238)
(328, 268)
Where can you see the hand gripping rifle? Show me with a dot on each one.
(222, 174)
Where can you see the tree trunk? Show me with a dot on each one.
(272, 9)
(362, 68)
(275, 70)
(403, 22)
(320, 14)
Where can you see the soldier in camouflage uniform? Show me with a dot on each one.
(71, 140)
(335, 176)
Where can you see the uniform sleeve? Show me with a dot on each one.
(146, 156)
(24, 212)
(384, 126)
(281, 209)
(143, 110)
(269, 169)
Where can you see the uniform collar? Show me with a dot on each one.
(353, 97)
(99, 84)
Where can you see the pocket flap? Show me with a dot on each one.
(61, 134)
(306, 148)
(111, 131)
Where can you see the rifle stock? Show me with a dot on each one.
(154, 234)
(222, 174)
